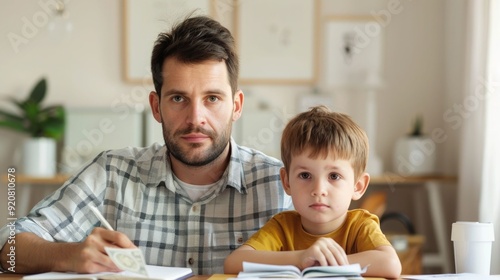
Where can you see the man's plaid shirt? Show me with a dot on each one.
(135, 191)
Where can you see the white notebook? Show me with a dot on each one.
(154, 272)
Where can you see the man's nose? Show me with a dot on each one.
(197, 113)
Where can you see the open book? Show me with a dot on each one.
(154, 272)
(257, 270)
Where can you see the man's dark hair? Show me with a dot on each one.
(193, 40)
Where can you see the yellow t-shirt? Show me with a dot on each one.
(360, 232)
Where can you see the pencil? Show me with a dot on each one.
(100, 217)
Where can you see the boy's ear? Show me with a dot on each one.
(284, 180)
(361, 186)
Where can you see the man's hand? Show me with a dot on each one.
(35, 255)
(90, 255)
(325, 251)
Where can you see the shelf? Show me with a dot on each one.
(386, 178)
(392, 178)
(23, 179)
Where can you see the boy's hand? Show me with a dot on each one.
(324, 252)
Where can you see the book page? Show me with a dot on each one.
(324, 271)
(259, 270)
(154, 272)
(260, 267)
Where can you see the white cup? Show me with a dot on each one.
(472, 245)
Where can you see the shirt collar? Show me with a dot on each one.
(235, 169)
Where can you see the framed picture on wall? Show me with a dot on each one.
(353, 51)
(143, 20)
(277, 41)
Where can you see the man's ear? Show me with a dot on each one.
(361, 186)
(154, 103)
(284, 180)
(238, 105)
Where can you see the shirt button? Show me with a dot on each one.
(191, 261)
(195, 208)
(240, 240)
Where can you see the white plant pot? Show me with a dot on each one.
(415, 156)
(39, 157)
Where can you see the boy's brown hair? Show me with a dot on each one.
(325, 133)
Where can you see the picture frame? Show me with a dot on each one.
(143, 20)
(353, 51)
(277, 45)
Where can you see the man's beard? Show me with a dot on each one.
(203, 158)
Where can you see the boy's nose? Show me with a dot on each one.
(318, 189)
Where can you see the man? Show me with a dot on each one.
(188, 203)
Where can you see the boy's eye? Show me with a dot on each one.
(334, 176)
(304, 175)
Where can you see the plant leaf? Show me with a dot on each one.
(33, 119)
(19, 104)
(38, 92)
(53, 122)
(9, 116)
(417, 127)
(54, 110)
(32, 111)
(54, 128)
(13, 125)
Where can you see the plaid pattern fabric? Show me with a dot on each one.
(135, 191)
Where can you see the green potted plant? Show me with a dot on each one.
(417, 127)
(45, 126)
(415, 154)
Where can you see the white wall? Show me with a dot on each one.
(423, 63)
(83, 70)
(86, 70)
(416, 73)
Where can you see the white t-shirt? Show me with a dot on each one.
(194, 191)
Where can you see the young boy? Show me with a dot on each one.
(324, 155)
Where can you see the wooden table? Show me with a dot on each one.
(432, 185)
(198, 277)
(20, 276)
(211, 277)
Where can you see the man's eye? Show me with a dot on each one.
(304, 175)
(213, 99)
(177, 98)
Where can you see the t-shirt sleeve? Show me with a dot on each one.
(269, 238)
(370, 236)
